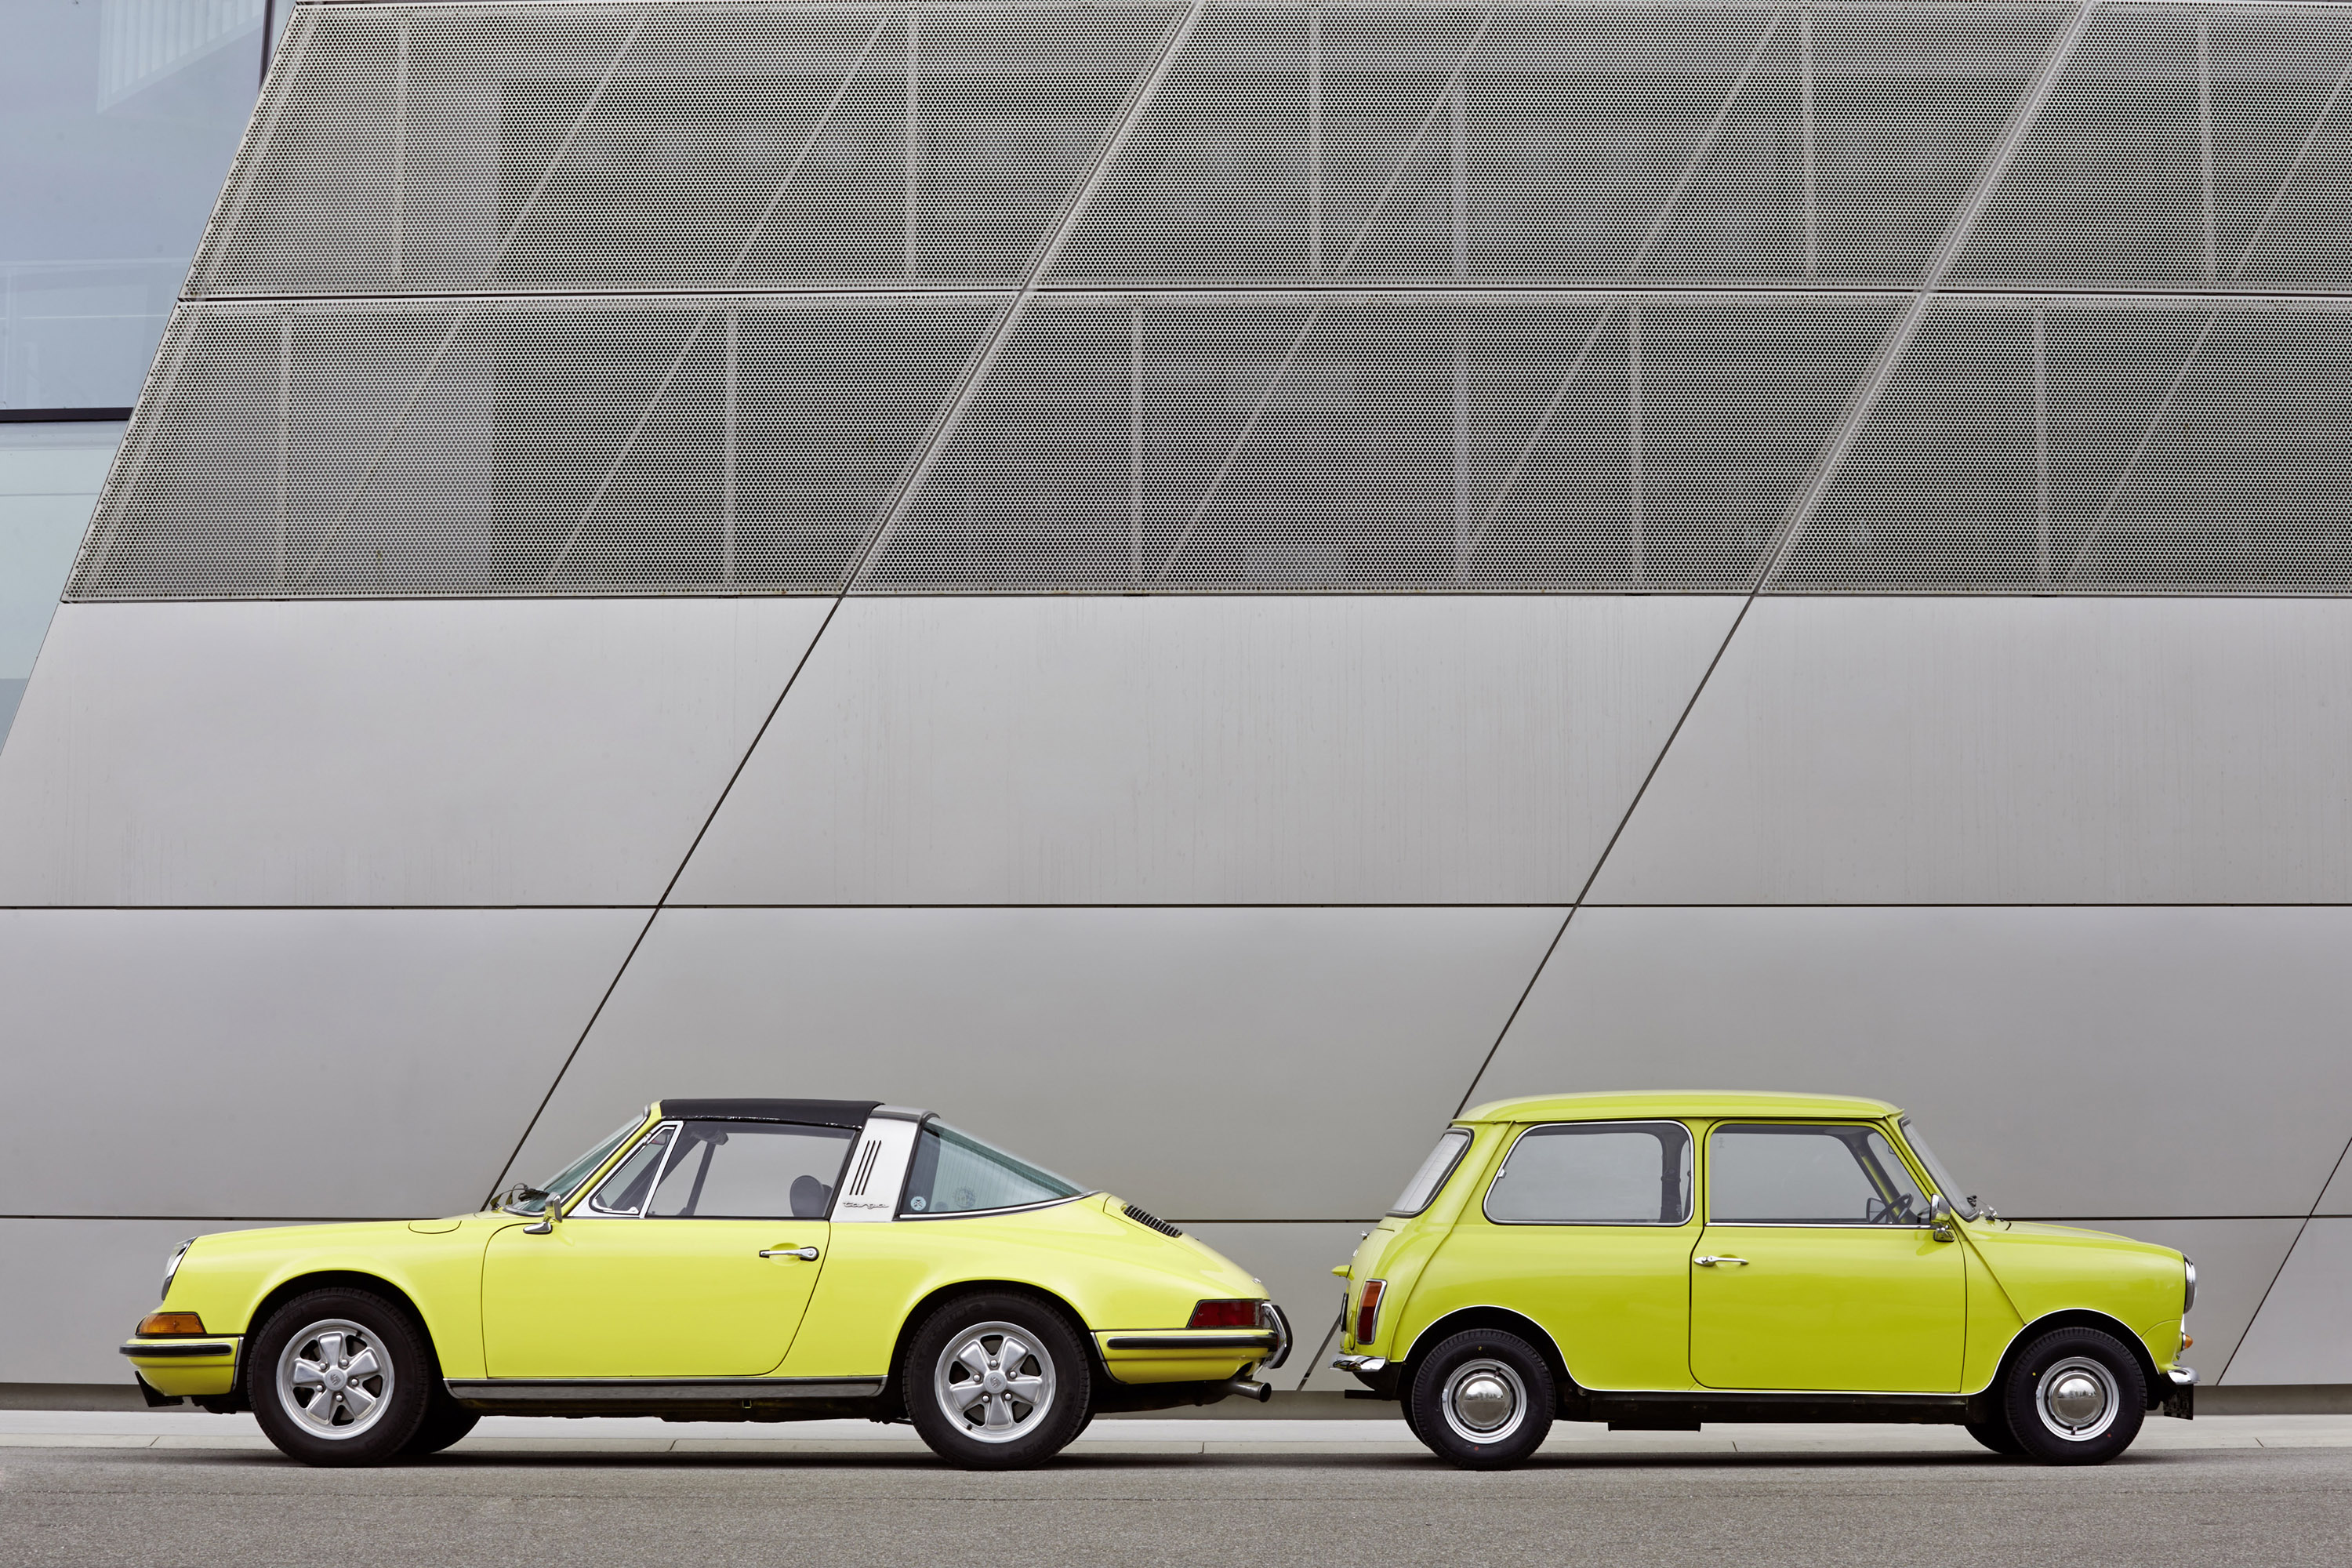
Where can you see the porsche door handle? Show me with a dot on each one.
(805, 1254)
(1711, 1260)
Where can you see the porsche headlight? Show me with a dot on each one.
(172, 1266)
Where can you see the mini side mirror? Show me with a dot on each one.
(1940, 1216)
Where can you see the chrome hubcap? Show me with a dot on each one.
(334, 1379)
(995, 1382)
(2077, 1398)
(1484, 1401)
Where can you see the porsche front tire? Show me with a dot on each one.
(339, 1377)
(997, 1382)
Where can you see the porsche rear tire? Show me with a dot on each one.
(446, 1422)
(997, 1382)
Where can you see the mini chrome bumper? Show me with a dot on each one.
(1360, 1364)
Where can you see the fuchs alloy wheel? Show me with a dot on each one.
(1483, 1400)
(997, 1382)
(2075, 1397)
(339, 1377)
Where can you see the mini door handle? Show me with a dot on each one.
(805, 1254)
(1711, 1260)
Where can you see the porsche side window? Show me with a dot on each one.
(954, 1173)
(1620, 1173)
(1789, 1175)
(751, 1170)
(623, 1192)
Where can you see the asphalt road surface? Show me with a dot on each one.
(215, 1508)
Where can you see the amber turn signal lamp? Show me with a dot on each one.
(1224, 1315)
(1368, 1310)
(162, 1325)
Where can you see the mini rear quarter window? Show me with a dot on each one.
(1603, 1173)
(1429, 1179)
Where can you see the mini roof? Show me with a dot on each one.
(1672, 1102)
(851, 1114)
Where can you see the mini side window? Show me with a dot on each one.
(1595, 1173)
(1791, 1173)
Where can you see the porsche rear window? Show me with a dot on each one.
(954, 1173)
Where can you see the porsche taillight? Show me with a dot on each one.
(1224, 1315)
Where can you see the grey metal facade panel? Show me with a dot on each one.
(504, 752)
(74, 1288)
(2337, 1199)
(1226, 1064)
(2173, 1063)
(1287, 751)
(336, 1063)
(2298, 1336)
(2014, 750)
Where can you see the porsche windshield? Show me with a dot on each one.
(562, 1182)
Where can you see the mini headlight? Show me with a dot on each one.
(173, 1267)
(2189, 1286)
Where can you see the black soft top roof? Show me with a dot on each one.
(851, 1114)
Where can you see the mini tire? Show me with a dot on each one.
(2074, 1396)
(339, 1377)
(1483, 1400)
(997, 1382)
(1995, 1434)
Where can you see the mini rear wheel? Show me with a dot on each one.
(997, 1382)
(1483, 1400)
(2075, 1397)
(339, 1377)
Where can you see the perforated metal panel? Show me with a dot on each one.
(1271, 296)
(524, 447)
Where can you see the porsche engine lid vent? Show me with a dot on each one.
(1142, 1217)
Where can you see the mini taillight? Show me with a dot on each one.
(1368, 1310)
(159, 1325)
(1224, 1315)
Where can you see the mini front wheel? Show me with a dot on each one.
(2075, 1397)
(339, 1377)
(997, 1382)
(1483, 1400)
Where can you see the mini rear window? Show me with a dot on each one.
(1429, 1179)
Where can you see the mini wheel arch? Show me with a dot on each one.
(2152, 1380)
(1501, 1319)
(327, 1280)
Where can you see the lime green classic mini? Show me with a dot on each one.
(721, 1259)
(1657, 1260)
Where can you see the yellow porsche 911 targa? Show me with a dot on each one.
(721, 1261)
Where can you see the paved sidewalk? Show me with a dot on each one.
(555, 1438)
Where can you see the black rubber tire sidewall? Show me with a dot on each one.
(1428, 1420)
(413, 1369)
(1073, 1378)
(446, 1422)
(2034, 1440)
(1995, 1434)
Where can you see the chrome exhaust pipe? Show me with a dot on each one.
(1244, 1388)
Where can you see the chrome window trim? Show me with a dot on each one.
(1879, 1127)
(1014, 1208)
(1690, 1197)
(1437, 1189)
(589, 1208)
